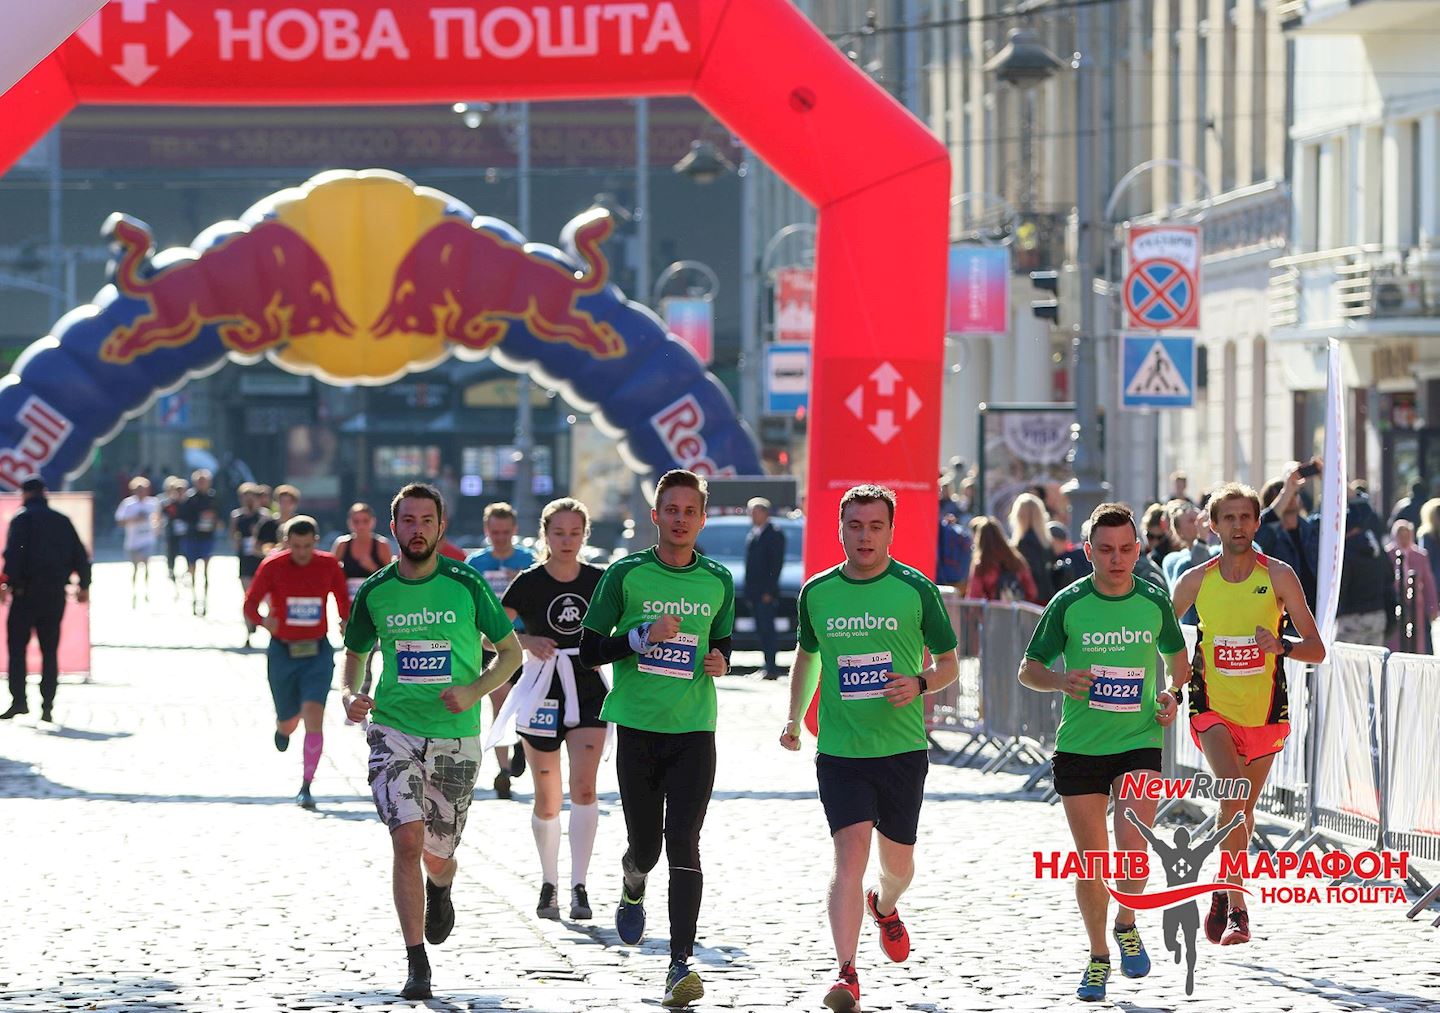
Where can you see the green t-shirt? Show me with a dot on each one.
(429, 635)
(1120, 641)
(861, 629)
(667, 689)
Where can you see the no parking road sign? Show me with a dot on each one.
(1162, 278)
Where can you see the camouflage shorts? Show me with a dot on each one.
(415, 779)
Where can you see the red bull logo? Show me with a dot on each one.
(680, 425)
(260, 288)
(469, 284)
(45, 430)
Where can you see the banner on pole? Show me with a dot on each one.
(794, 305)
(1334, 501)
(979, 289)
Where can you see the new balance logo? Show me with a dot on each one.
(1262, 589)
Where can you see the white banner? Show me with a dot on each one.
(1333, 501)
(33, 30)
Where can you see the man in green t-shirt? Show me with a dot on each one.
(1110, 627)
(661, 618)
(864, 627)
(427, 615)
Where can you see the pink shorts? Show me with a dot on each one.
(1252, 742)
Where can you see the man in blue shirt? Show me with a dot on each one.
(500, 562)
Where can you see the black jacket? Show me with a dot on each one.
(42, 550)
(1040, 559)
(764, 556)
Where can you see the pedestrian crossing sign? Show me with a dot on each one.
(1157, 372)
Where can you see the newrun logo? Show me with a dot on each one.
(848, 624)
(424, 617)
(1117, 638)
(676, 608)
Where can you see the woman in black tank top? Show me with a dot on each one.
(361, 554)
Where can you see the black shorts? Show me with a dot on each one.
(884, 790)
(1079, 774)
(592, 697)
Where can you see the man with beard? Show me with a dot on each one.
(427, 615)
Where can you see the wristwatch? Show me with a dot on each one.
(1286, 646)
(924, 686)
(1176, 692)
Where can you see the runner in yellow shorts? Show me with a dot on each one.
(1239, 703)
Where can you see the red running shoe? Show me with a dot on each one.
(894, 940)
(1215, 920)
(844, 995)
(1238, 931)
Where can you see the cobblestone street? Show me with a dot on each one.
(154, 859)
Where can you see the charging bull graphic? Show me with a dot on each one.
(470, 284)
(260, 288)
(362, 277)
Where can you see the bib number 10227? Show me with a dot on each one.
(420, 662)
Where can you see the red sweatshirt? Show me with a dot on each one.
(297, 594)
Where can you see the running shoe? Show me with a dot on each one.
(502, 785)
(1134, 961)
(1238, 931)
(417, 985)
(548, 907)
(304, 799)
(46, 714)
(517, 761)
(682, 986)
(630, 919)
(439, 913)
(1092, 985)
(894, 939)
(1215, 920)
(282, 741)
(844, 995)
(15, 710)
(580, 903)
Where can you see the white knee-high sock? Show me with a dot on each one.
(583, 821)
(547, 843)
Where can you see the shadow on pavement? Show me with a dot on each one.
(83, 734)
(101, 994)
(382, 997)
(1344, 996)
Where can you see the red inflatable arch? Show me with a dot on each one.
(879, 179)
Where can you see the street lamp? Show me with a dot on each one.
(703, 163)
(1024, 62)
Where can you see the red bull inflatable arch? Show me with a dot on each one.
(877, 177)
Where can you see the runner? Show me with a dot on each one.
(427, 616)
(267, 532)
(1107, 626)
(663, 618)
(244, 523)
(138, 514)
(558, 700)
(868, 623)
(499, 562)
(300, 660)
(174, 525)
(1239, 702)
(201, 514)
(361, 554)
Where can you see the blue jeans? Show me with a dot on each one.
(764, 613)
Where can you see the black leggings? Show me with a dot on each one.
(665, 785)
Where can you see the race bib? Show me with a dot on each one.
(545, 719)
(206, 523)
(675, 657)
(179, 527)
(422, 662)
(1238, 656)
(247, 545)
(1116, 689)
(304, 611)
(499, 581)
(303, 648)
(352, 585)
(863, 676)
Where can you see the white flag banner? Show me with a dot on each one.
(1333, 501)
(33, 30)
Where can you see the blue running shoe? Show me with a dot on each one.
(1092, 986)
(630, 919)
(682, 986)
(1134, 961)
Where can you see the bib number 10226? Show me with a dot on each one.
(863, 676)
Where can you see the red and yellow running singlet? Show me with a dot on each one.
(1231, 675)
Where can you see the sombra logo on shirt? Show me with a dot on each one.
(566, 612)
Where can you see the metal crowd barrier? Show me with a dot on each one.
(1358, 769)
